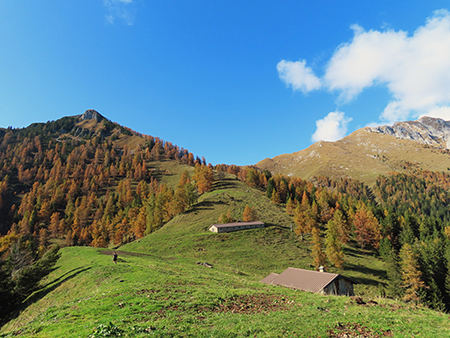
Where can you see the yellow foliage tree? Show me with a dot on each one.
(317, 250)
(367, 228)
(249, 214)
(203, 177)
(411, 275)
(333, 246)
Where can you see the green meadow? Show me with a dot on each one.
(159, 289)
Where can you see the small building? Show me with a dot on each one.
(313, 281)
(229, 227)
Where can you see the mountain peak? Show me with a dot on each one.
(91, 114)
(426, 130)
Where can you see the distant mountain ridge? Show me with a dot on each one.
(369, 152)
(426, 130)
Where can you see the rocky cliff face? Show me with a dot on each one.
(426, 130)
(91, 114)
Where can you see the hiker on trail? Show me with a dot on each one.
(115, 258)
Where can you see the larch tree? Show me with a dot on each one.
(203, 177)
(290, 207)
(317, 253)
(367, 228)
(411, 274)
(249, 214)
(333, 245)
(342, 226)
(305, 221)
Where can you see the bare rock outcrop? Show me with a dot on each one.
(91, 114)
(426, 130)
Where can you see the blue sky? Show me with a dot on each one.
(234, 81)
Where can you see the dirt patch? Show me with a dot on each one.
(359, 301)
(356, 331)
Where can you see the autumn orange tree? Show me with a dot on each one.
(249, 214)
(203, 177)
(411, 274)
(305, 218)
(367, 227)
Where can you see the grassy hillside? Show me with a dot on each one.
(147, 295)
(255, 253)
(361, 155)
(158, 289)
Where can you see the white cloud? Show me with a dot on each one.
(332, 127)
(297, 75)
(415, 68)
(122, 9)
(441, 112)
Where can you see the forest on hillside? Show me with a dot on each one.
(63, 184)
(66, 184)
(403, 218)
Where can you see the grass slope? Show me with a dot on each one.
(255, 253)
(157, 289)
(361, 155)
(146, 295)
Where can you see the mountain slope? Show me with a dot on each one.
(57, 178)
(158, 289)
(147, 295)
(362, 155)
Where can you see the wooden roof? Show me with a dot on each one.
(306, 280)
(269, 279)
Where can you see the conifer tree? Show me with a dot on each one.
(393, 271)
(249, 214)
(275, 197)
(317, 248)
(411, 274)
(290, 207)
(333, 245)
(203, 177)
(270, 188)
(367, 228)
(342, 226)
(305, 221)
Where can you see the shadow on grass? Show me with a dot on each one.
(367, 271)
(54, 284)
(46, 290)
(205, 205)
(227, 183)
(353, 251)
(276, 226)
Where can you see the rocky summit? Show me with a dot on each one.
(91, 114)
(426, 130)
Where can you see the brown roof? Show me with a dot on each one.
(269, 279)
(306, 280)
(236, 224)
